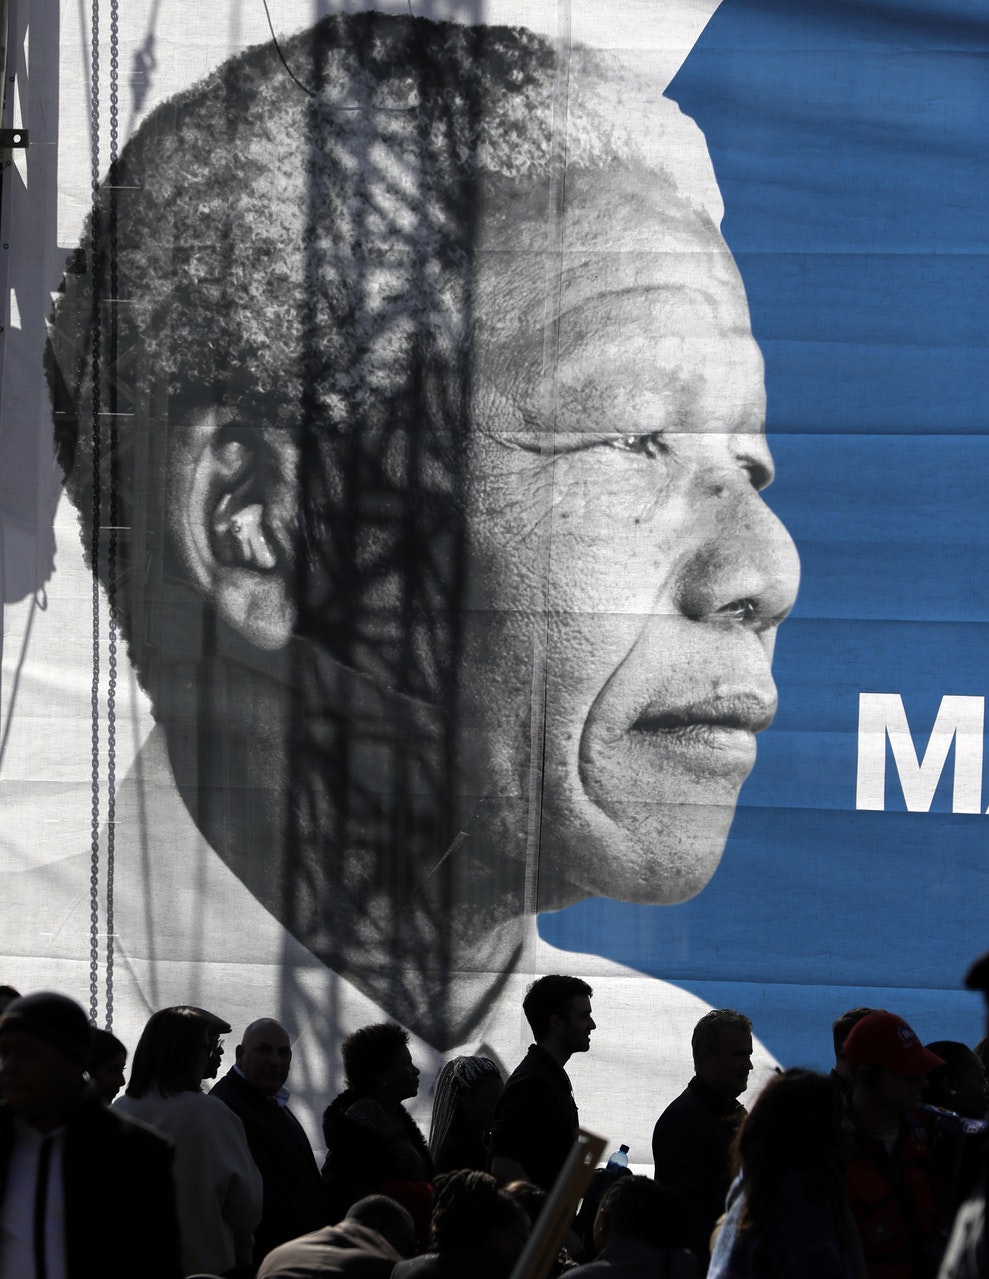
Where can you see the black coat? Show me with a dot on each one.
(293, 1190)
(360, 1160)
(120, 1217)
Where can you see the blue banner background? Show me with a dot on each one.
(849, 141)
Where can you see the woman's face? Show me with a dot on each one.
(627, 576)
(477, 1106)
(109, 1077)
(400, 1079)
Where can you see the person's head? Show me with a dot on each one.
(44, 1046)
(794, 1126)
(960, 1084)
(529, 1195)
(338, 411)
(636, 1207)
(105, 1067)
(471, 1215)
(466, 1092)
(841, 1028)
(216, 1028)
(377, 1062)
(721, 1044)
(558, 1010)
(264, 1055)
(977, 978)
(7, 996)
(888, 1062)
(171, 1055)
(388, 1218)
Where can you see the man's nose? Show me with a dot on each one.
(745, 567)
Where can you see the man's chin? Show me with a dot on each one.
(652, 854)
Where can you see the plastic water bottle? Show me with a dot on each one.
(618, 1160)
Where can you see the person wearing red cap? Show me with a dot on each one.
(897, 1176)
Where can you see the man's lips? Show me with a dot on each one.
(712, 735)
(747, 712)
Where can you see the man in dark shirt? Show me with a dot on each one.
(254, 1089)
(84, 1190)
(692, 1139)
(535, 1124)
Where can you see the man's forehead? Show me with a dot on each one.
(265, 1034)
(735, 1039)
(672, 355)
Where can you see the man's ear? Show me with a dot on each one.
(231, 515)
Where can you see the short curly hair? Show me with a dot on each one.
(370, 1050)
(308, 263)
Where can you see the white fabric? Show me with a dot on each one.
(17, 1214)
(188, 931)
(218, 1186)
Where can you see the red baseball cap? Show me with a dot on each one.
(883, 1039)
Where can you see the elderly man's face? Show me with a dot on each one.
(622, 551)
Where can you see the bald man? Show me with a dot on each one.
(254, 1089)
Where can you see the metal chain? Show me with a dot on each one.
(95, 337)
(111, 696)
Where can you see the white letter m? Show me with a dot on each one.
(959, 719)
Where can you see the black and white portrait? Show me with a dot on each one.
(405, 389)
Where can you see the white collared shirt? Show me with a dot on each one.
(17, 1227)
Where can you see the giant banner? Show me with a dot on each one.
(492, 489)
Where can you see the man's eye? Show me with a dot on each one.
(652, 445)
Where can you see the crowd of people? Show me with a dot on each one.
(862, 1174)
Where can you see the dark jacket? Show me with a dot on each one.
(631, 1258)
(901, 1199)
(120, 1217)
(371, 1151)
(349, 1249)
(691, 1149)
(453, 1265)
(535, 1119)
(293, 1192)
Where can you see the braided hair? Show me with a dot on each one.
(456, 1079)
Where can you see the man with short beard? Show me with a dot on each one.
(535, 1122)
